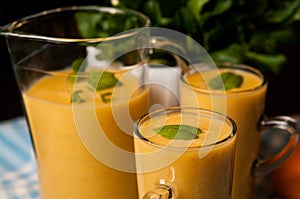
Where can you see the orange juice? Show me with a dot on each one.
(197, 168)
(67, 169)
(245, 105)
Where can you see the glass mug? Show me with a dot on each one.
(244, 103)
(82, 74)
(184, 153)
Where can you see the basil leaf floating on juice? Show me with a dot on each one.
(106, 97)
(228, 79)
(100, 80)
(179, 132)
(76, 65)
(75, 98)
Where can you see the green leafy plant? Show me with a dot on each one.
(240, 31)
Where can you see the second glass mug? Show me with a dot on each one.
(81, 111)
(244, 103)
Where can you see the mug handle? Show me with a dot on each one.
(284, 123)
(161, 191)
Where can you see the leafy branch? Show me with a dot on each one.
(241, 31)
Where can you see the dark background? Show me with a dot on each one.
(10, 101)
(283, 97)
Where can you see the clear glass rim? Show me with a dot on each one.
(201, 112)
(227, 65)
(8, 30)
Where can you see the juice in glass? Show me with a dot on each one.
(81, 72)
(192, 167)
(66, 168)
(244, 104)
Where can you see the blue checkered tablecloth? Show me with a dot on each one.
(18, 173)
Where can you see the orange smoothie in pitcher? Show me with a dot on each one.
(198, 167)
(243, 103)
(66, 168)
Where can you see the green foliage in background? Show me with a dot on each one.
(241, 31)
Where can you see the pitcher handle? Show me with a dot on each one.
(159, 42)
(287, 124)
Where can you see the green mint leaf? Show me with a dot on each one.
(78, 64)
(99, 80)
(72, 78)
(179, 132)
(227, 80)
(106, 97)
(75, 97)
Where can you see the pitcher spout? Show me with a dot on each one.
(2, 30)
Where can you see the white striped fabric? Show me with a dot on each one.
(18, 174)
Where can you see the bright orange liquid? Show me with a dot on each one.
(67, 170)
(245, 105)
(193, 173)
